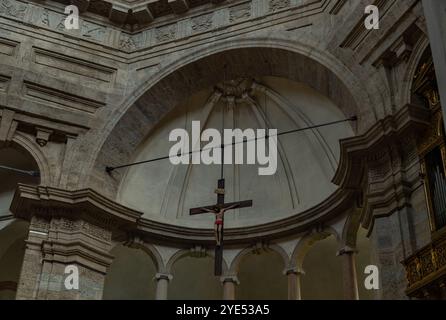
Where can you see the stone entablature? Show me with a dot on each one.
(230, 17)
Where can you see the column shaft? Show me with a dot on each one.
(350, 280)
(228, 290)
(60, 253)
(229, 283)
(162, 285)
(294, 286)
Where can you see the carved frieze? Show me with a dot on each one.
(275, 5)
(127, 43)
(52, 20)
(12, 9)
(166, 33)
(240, 12)
(202, 23)
(93, 31)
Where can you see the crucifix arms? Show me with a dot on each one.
(225, 207)
(217, 209)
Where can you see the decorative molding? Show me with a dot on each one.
(43, 136)
(8, 47)
(46, 203)
(334, 205)
(60, 99)
(54, 62)
(276, 5)
(170, 27)
(376, 157)
(4, 83)
(354, 150)
(83, 204)
(359, 32)
(8, 126)
(337, 6)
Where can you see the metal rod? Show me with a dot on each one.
(354, 118)
(26, 172)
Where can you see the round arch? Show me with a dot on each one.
(148, 249)
(199, 252)
(173, 82)
(306, 242)
(261, 273)
(193, 275)
(131, 274)
(235, 264)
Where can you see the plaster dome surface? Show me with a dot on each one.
(307, 160)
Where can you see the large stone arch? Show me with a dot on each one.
(172, 83)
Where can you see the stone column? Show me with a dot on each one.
(229, 283)
(350, 280)
(70, 237)
(435, 13)
(293, 276)
(64, 259)
(162, 285)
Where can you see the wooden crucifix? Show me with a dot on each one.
(219, 210)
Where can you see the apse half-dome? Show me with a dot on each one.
(307, 160)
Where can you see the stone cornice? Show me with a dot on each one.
(86, 204)
(76, 252)
(318, 215)
(90, 205)
(354, 150)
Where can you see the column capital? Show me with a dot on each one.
(346, 250)
(229, 278)
(293, 270)
(163, 276)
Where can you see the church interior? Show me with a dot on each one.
(355, 210)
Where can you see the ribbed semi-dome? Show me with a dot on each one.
(307, 160)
